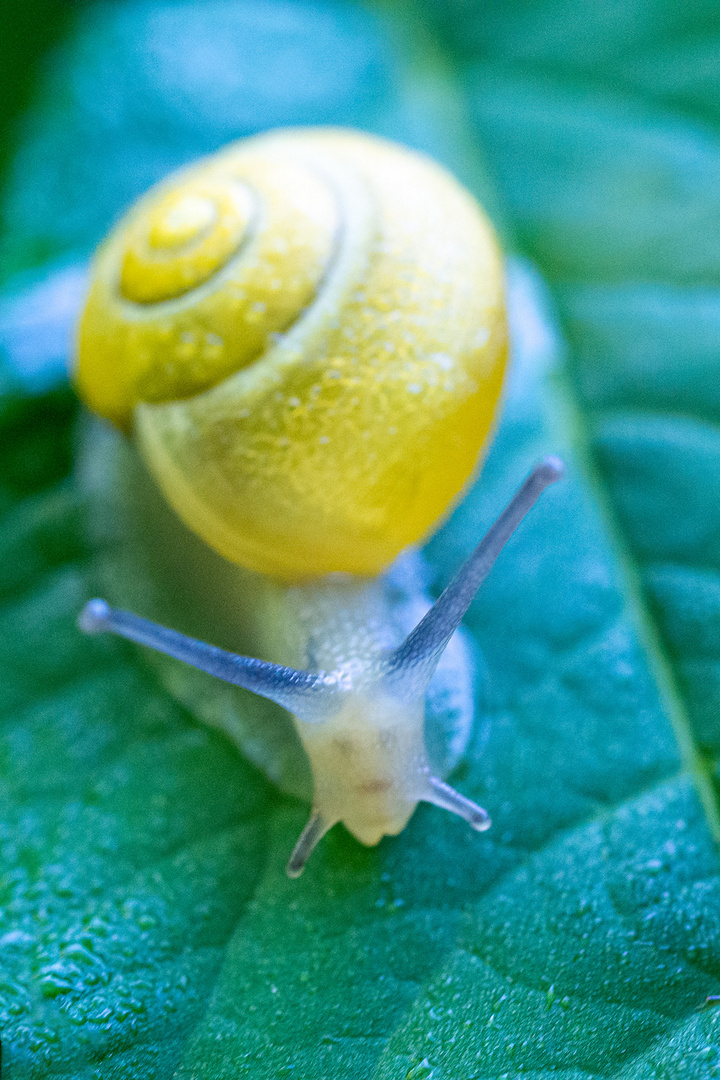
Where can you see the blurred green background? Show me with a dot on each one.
(146, 926)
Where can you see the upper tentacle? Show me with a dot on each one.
(307, 694)
(411, 666)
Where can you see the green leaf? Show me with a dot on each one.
(145, 88)
(147, 928)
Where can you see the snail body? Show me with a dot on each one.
(305, 336)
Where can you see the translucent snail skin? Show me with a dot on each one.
(305, 337)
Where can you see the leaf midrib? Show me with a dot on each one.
(660, 664)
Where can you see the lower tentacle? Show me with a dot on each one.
(308, 840)
(446, 797)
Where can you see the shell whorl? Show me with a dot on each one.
(307, 334)
(204, 271)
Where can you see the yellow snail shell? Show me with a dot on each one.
(307, 333)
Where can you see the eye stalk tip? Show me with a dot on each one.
(94, 617)
(481, 822)
(552, 468)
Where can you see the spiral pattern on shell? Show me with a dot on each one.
(306, 333)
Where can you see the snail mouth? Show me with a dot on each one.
(374, 787)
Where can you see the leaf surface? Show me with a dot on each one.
(146, 926)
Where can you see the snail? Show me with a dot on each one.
(305, 337)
